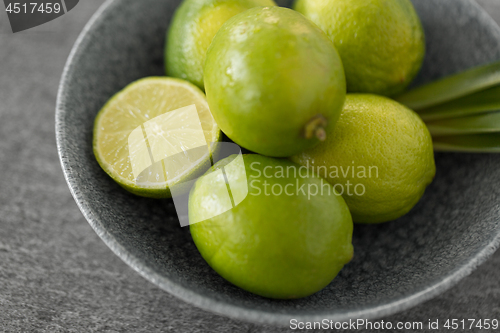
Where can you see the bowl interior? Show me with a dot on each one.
(396, 265)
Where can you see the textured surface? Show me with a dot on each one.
(395, 266)
(381, 42)
(56, 275)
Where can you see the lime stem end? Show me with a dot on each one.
(316, 128)
(321, 134)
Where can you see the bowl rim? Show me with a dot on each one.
(370, 311)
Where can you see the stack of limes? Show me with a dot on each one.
(277, 83)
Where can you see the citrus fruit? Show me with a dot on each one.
(193, 27)
(147, 122)
(379, 157)
(288, 235)
(381, 42)
(274, 81)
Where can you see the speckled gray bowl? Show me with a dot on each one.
(396, 265)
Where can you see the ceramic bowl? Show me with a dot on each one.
(397, 265)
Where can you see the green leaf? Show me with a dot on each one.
(481, 123)
(482, 101)
(472, 143)
(452, 87)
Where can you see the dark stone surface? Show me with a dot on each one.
(56, 275)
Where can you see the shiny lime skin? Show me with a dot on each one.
(381, 42)
(277, 246)
(268, 72)
(387, 140)
(193, 27)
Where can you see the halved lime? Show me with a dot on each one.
(141, 131)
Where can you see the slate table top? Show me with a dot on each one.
(56, 275)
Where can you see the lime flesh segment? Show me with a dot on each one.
(483, 101)
(145, 123)
(473, 143)
(452, 87)
(475, 124)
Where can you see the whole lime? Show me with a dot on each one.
(379, 157)
(381, 42)
(288, 235)
(274, 81)
(193, 27)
